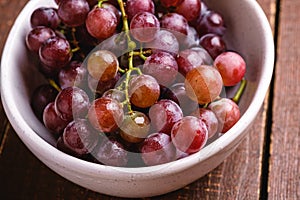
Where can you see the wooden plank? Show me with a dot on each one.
(238, 177)
(284, 175)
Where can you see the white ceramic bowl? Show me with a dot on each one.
(248, 32)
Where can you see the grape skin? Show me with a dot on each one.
(134, 7)
(106, 114)
(162, 66)
(101, 23)
(189, 134)
(143, 91)
(164, 114)
(45, 16)
(144, 26)
(73, 12)
(203, 84)
(55, 52)
(227, 112)
(37, 36)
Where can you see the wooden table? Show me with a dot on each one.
(266, 165)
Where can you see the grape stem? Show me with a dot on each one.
(131, 46)
(53, 84)
(240, 91)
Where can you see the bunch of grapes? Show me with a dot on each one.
(136, 82)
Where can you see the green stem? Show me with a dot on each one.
(240, 91)
(100, 2)
(53, 84)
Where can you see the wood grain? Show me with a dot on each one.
(23, 176)
(284, 176)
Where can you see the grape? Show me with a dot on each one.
(190, 9)
(189, 134)
(73, 74)
(162, 66)
(191, 58)
(144, 26)
(175, 22)
(135, 127)
(134, 7)
(72, 102)
(106, 114)
(203, 84)
(73, 12)
(102, 65)
(44, 16)
(211, 22)
(79, 137)
(100, 87)
(113, 9)
(115, 94)
(227, 112)
(169, 3)
(37, 36)
(209, 118)
(53, 121)
(177, 93)
(157, 149)
(55, 52)
(111, 152)
(164, 41)
(231, 66)
(190, 40)
(164, 114)
(143, 91)
(41, 97)
(101, 23)
(213, 44)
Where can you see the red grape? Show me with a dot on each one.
(73, 74)
(157, 149)
(102, 65)
(189, 135)
(231, 66)
(227, 112)
(41, 97)
(190, 9)
(213, 44)
(53, 121)
(111, 152)
(143, 91)
(164, 41)
(191, 58)
(162, 66)
(209, 118)
(101, 23)
(55, 52)
(144, 26)
(169, 3)
(44, 16)
(134, 7)
(135, 127)
(175, 22)
(73, 12)
(72, 102)
(211, 22)
(106, 114)
(203, 84)
(37, 36)
(164, 114)
(79, 138)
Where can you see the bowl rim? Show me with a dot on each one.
(40, 147)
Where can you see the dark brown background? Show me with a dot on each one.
(265, 165)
